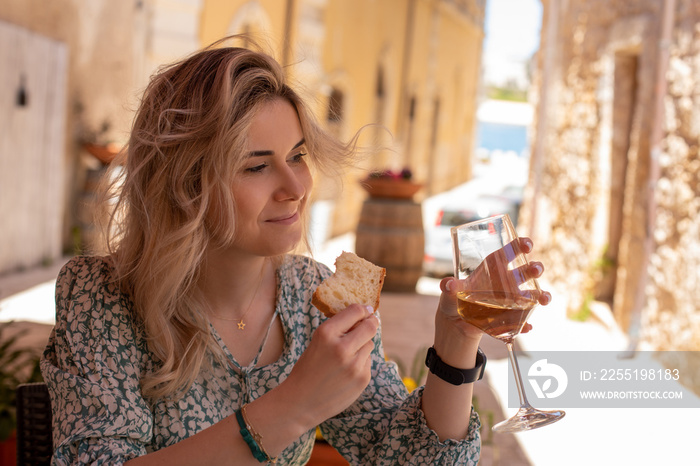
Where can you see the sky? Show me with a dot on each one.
(512, 35)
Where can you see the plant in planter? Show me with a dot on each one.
(97, 140)
(98, 145)
(17, 366)
(390, 184)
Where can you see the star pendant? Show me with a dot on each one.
(241, 325)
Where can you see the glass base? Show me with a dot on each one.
(528, 418)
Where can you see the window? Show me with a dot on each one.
(335, 106)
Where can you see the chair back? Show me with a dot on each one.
(34, 441)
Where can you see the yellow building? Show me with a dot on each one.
(411, 66)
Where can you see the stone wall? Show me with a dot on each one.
(615, 172)
(672, 319)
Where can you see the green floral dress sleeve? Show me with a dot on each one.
(92, 365)
(386, 425)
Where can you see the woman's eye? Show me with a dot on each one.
(298, 156)
(256, 168)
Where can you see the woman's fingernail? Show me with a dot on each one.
(370, 310)
(539, 268)
(449, 285)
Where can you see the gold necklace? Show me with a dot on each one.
(241, 325)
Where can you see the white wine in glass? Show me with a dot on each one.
(496, 296)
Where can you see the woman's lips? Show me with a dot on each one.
(285, 219)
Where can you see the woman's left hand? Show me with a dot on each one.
(447, 309)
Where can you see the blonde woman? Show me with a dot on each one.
(194, 340)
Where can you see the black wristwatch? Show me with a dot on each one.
(452, 374)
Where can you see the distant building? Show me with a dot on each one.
(412, 66)
(616, 162)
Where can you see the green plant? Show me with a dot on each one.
(418, 369)
(598, 271)
(585, 311)
(415, 376)
(17, 366)
(487, 421)
(77, 239)
(507, 93)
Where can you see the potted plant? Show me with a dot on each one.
(17, 365)
(97, 144)
(389, 184)
(105, 153)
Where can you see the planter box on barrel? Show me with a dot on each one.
(390, 234)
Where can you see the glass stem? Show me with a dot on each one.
(518, 378)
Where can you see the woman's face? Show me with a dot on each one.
(273, 187)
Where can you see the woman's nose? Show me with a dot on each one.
(291, 186)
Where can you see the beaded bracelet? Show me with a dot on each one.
(252, 438)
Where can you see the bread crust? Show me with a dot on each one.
(325, 309)
(328, 311)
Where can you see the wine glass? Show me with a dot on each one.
(496, 296)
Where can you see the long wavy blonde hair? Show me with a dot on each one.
(174, 198)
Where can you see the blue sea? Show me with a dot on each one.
(502, 136)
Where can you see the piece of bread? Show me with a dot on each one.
(355, 281)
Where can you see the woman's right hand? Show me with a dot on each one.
(336, 367)
(328, 377)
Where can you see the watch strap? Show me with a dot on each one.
(452, 374)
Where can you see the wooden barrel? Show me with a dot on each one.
(390, 234)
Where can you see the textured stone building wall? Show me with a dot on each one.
(672, 318)
(594, 160)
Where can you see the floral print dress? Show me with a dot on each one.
(98, 352)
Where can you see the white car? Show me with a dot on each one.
(438, 258)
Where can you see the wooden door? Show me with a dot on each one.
(33, 78)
